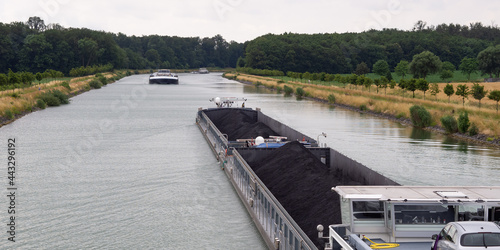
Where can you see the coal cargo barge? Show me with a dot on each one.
(281, 175)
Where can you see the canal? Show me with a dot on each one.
(126, 167)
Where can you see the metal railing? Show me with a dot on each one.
(273, 221)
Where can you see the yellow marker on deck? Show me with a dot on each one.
(381, 245)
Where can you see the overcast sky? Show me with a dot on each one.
(244, 20)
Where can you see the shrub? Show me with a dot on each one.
(281, 81)
(363, 107)
(103, 80)
(98, 75)
(257, 83)
(463, 122)
(300, 92)
(288, 90)
(41, 104)
(233, 77)
(136, 72)
(95, 84)
(63, 98)
(419, 116)
(129, 73)
(66, 85)
(473, 130)
(8, 114)
(50, 100)
(401, 115)
(449, 123)
(14, 95)
(279, 89)
(331, 98)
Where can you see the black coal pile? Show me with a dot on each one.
(302, 184)
(238, 124)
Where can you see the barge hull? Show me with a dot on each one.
(163, 81)
(276, 226)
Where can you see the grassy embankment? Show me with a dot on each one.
(17, 102)
(393, 104)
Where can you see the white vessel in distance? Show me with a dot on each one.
(203, 71)
(163, 76)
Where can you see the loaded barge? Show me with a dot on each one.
(291, 187)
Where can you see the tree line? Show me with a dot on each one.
(33, 46)
(341, 53)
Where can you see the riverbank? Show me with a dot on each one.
(17, 103)
(393, 108)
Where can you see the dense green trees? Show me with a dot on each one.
(341, 53)
(34, 46)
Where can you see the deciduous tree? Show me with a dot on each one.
(425, 63)
(381, 68)
(411, 85)
(402, 68)
(463, 91)
(489, 61)
(435, 89)
(449, 91)
(39, 77)
(88, 50)
(478, 92)
(422, 85)
(495, 96)
(36, 23)
(402, 85)
(362, 69)
(468, 66)
(446, 74)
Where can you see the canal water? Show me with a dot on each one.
(125, 167)
(409, 156)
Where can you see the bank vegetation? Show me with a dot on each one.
(16, 102)
(395, 103)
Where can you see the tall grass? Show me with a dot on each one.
(26, 98)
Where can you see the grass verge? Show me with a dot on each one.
(15, 103)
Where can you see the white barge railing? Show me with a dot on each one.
(276, 226)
